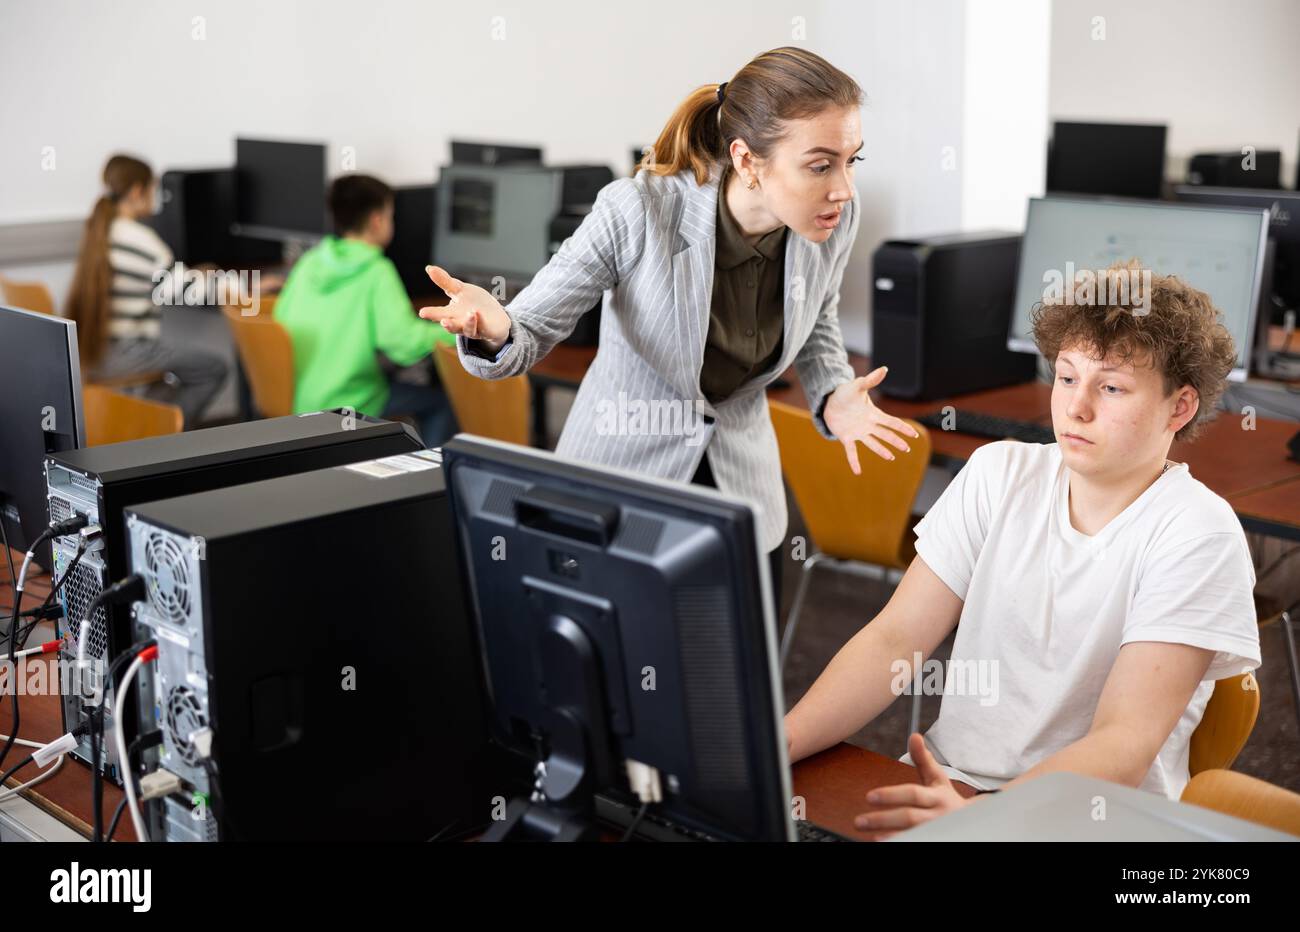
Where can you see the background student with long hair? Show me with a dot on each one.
(112, 298)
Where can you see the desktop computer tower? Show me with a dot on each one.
(314, 627)
(941, 309)
(411, 249)
(1224, 170)
(100, 482)
(195, 212)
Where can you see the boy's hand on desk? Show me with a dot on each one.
(908, 804)
(471, 311)
(852, 416)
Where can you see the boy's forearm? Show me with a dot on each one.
(855, 687)
(1107, 754)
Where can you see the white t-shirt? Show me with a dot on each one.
(1047, 608)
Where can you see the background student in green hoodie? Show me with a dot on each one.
(344, 303)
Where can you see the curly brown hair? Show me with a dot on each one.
(1179, 335)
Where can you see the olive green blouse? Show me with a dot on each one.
(747, 314)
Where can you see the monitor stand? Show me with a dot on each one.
(563, 803)
(539, 821)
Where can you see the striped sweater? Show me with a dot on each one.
(136, 254)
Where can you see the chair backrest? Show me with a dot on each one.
(1248, 798)
(850, 517)
(112, 417)
(266, 351)
(496, 408)
(30, 296)
(1226, 724)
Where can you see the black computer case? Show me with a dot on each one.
(101, 482)
(941, 309)
(411, 249)
(316, 625)
(195, 215)
(1229, 169)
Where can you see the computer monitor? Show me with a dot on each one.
(1283, 229)
(490, 153)
(628, 635)
(40, 410)
(280, 190)
(1117, 159)
(1217, 250)
(495, 221)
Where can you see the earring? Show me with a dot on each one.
(751, 184)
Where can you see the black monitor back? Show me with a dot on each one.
(279, 188)
(489, 153)
(40, 410)
(1283, 230)
(1117, 159)
(666, 583)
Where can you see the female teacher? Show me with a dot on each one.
(720, 261)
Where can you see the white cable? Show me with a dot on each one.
(119, 738)
(22, 574)
(39, 778)
(27, 652)
(9, 794)
(14, 619)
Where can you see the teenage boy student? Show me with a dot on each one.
(1100, 588)
(344, 302)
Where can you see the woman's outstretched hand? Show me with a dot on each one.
(853, 417)
(472, 310)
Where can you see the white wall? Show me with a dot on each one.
(396, 80)
(908, 59)
(1221, 75)
(1003, 158)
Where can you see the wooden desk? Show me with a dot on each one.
(835, 783)
(563, 367)
(1273, 510)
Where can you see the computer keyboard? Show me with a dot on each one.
(989, 425)
(617, 816)
(809, 832)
